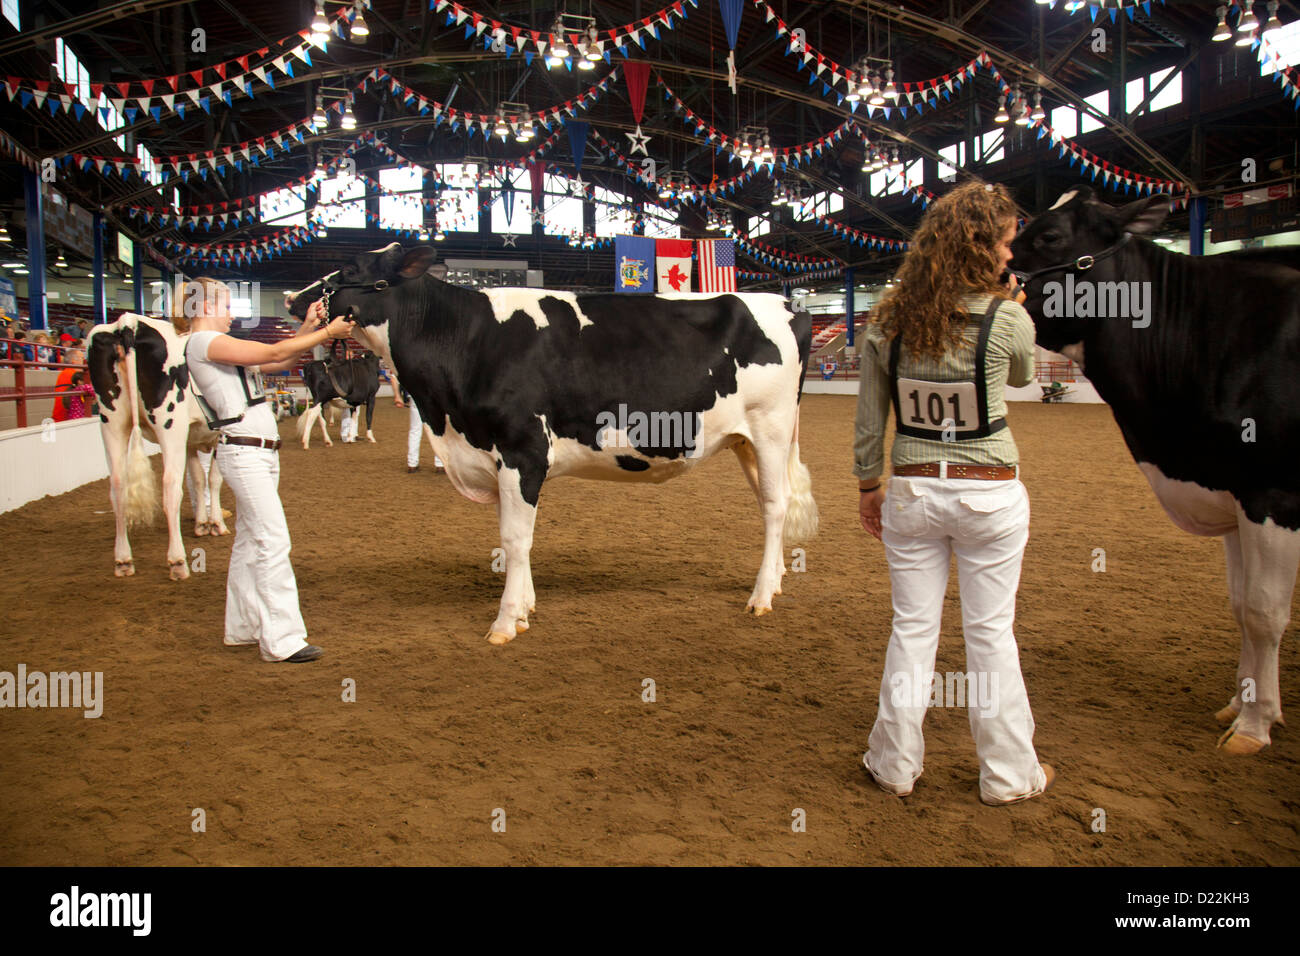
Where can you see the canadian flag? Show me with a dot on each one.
(673, 265)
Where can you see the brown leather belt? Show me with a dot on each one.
(271, 443)
(981, 472)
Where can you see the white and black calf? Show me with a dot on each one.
(346, 384)
(520, 386)
(1205, 388)
(137, 367)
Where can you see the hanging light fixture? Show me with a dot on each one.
(4, 232)
(424, 234)
(1003, 116)
(558, 49)
(349, 120)
(876, 98)
(891, 91)
(864, 80)
(1222, 31)
(439, 235)
(746, 151)
(593, 45)
(60, 262)
(1019, 111)
(1247, 23)
(319, 174)
(765, 154)
(778, 195)
(1273, 22)
(852, 95)
(1037, 114)
(360, 29)
(320, 118)
(525, 132)
(502, 128)
(319, 25)
(586, 63)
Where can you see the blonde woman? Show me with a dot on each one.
(261, 591)
(942, 347)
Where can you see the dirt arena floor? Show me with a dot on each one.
(753, 718)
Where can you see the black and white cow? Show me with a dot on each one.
(523, 385)
(1202, 371)
(137, 367)
(349, 383)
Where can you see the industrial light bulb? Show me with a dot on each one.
(1222, 31)
(319, 25)
(360, 30)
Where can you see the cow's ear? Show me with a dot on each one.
(1143, 216)
(414, 262)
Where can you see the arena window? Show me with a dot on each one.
(1101, 103)
(406, 210)
(614, 215)
(1285, 47)
(1135, 91)
(11, 14)
(563, 211)
(521, 216)
(661, 223)
(459, 205)
(888, 181)
(759, 226)
(1065, 120)
(284, 207)
(342, 202)
(990, 146)
(955, 156)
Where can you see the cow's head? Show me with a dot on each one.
(369, 288)
(1082, 235)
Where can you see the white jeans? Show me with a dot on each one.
(924, 522)
(261, 591)
(413, 435)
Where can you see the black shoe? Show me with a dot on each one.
(309, 653)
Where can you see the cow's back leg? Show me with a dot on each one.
(196, 482)
(173, 456)
(117, 434)
(1265, 584)
(748, 459)
(370, 414)
(517, 516)
(216, 517)
(771, 452)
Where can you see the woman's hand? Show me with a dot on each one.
(340, 328)
(869, 505)
(315, 316)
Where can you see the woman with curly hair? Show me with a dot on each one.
(944, 343)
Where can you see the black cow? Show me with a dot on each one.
(522, 385)
(352, 382)
(1202, 372)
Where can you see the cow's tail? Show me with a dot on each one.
(141, 483)
(801, 517)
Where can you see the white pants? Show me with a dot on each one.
(986, 524)
(413, 435)
(261, 591)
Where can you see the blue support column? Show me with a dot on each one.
(137, 277)
(848, 307)
(35, 212)
(1196, 225)
(101, 311)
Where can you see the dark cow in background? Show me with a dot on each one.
(1205, 387)
(523, 385)
(137, 367)
(346, 384)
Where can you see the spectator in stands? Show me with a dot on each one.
(950, 335)
(5, 333)
(27, 351)
(44, 349)
(76, 383)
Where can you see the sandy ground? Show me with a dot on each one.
(753, 718)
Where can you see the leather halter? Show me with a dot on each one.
(1082, 264)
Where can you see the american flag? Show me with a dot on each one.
(717, 265)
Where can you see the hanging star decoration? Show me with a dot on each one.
(578, 186)
(538, 215)
(639, 141)
(508, 240)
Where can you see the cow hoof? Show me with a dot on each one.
(124, 569)
(200, 530)
(759, 611)
(1226, 717)
(1239, 745)
(179, 570)
(220, 530)
(498, 638)
(521, 624)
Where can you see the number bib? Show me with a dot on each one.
(938, 407)
(945, 411)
